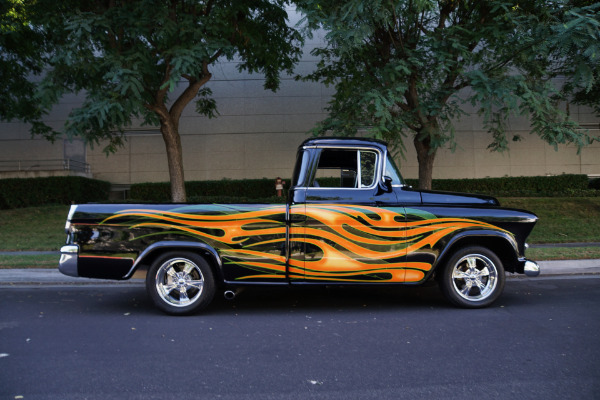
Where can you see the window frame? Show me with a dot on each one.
(318, 150)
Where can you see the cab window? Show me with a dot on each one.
(346, 168)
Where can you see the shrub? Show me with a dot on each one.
(547, 186)
(226, 188)
(28, 192)
(262, 190)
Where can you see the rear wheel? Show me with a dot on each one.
(180, 283)
(473, 277)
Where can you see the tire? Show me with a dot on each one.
(180, 283)
(473, 277)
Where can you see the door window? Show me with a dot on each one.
(346, 168)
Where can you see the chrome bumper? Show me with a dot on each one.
(531, 268)
(68, 260)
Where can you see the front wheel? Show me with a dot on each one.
(473, 278)
(180, 283)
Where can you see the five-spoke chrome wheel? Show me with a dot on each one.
(180, 283)
(473, 277)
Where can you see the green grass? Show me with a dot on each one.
(35, 261)
(563, 253)
(561, 219)
(33, 228)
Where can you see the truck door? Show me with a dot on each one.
(353, 228)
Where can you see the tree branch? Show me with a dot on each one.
(188, 94)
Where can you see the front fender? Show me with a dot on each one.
(500, 242)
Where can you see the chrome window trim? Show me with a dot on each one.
(358, 150)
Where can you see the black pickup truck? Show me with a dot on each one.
(349, 219)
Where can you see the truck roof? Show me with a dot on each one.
(347, 141)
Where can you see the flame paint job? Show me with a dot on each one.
(337, 243)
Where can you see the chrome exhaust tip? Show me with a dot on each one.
(229, 295)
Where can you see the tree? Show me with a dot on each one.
(22, 50)
(403, 69)
(146, 60)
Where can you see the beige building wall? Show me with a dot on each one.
(529, 157)
(258, 132)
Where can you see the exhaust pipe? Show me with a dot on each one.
(229, 294)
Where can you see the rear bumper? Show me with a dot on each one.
(68, 260)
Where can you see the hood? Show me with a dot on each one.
(458, 199)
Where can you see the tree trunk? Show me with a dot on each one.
(425, 156)
(174, 159)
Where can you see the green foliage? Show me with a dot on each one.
(22, 59)
(595, 184)
(139, 62)
(527, 186)
(131, 57)
(404, 69)
(18, 193)
(227, 191)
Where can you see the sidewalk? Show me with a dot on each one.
(37, 276)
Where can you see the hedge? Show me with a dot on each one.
(541, 186)
(226, 188)
(28, 192)
(17, 192)
(263, 190)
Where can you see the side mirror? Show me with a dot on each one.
(386, 183)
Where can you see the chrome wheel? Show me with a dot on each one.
(474, 277)
(179, 282)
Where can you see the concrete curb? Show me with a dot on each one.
(37, 276)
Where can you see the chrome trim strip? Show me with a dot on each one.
(378, 172)
(69, 218)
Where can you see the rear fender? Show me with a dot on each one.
(151, 252)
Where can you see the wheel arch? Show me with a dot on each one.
(500, 243)
(152, 252)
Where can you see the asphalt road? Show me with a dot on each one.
(540, 341)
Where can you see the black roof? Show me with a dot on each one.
(347, 141)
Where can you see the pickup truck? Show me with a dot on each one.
(349, 219)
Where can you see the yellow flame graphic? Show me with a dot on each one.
(349, 243)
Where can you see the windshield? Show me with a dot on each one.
(300, 171)
(393, 172)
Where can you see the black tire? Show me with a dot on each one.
(180, 283)
(473, 277)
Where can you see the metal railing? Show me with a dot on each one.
(66, 164)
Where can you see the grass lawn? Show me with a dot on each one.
(563, 253)
(562, 220)
(33, 228)
(36, 261)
